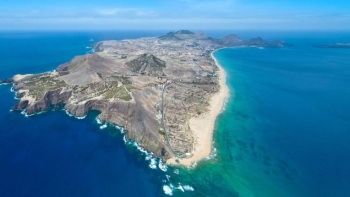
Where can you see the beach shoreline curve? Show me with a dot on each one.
(203, 126)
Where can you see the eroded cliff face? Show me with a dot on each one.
(150, 86)
(52, 97)
(139, 122)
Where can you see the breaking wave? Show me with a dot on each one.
(169, 189)
(103, 126)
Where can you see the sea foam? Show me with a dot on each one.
(167, 190)
(188, 188)
(162, 166)
(154, 162)
(212, 154)
(80, 117)
(71, 115)
(103, 126)
(98, 120)
(121, 129)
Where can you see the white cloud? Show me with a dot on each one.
(114, 11)
(73, 13)
(125, 12)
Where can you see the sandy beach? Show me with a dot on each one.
(204, 125)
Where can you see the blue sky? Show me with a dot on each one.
(176, 14)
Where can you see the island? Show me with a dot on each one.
(336, 45)
(166, 91)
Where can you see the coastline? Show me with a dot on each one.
(204, 126)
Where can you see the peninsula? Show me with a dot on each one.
(165, 91)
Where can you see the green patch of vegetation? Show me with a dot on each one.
(118, 92)
(129, 87)
(38, 86)
(161, 132)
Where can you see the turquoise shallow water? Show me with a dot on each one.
(288, 123)
(284, 132)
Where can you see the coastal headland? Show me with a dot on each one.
(165, 91)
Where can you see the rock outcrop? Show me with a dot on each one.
(147, 64)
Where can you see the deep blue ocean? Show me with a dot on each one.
(285, 129)
(52, 154)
